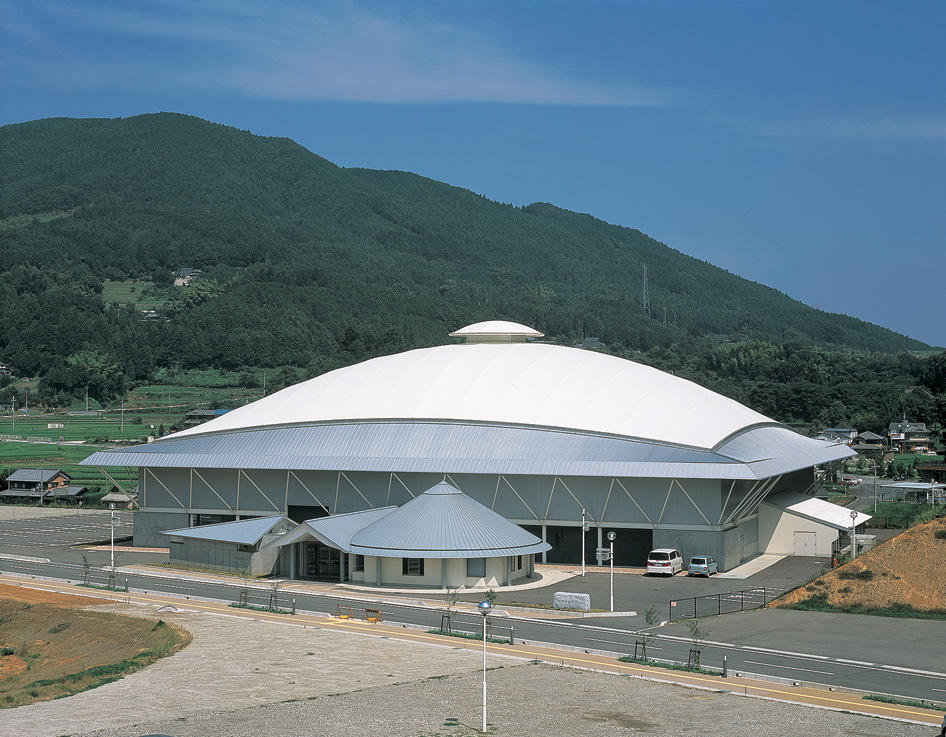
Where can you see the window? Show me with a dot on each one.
(359, 563)
(518, 562)
(412, 566)
(476, 567)
(246, 548)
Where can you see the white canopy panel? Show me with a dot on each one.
(527, 384)
(817, 510)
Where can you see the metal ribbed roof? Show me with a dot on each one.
(441, 447)
(243, 532)
(443, 522)
(33, 474)
(335, 531)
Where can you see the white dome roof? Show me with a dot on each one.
(527, 384)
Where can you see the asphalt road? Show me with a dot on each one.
(893, 656)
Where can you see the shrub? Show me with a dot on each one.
(940, 535)
(848, 574)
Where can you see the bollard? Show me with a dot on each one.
(512, 635)
(126, 584)
(725, 669)
(293, 606)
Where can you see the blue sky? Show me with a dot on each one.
(798, 144)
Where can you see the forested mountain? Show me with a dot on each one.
(308, 264)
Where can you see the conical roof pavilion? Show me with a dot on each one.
(443, 522)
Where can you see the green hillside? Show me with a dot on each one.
(312, 265)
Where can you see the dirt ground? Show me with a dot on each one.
(67, 647)
(905, 570)
(32, 596)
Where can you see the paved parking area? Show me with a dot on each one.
(54, 533)
(636, 592)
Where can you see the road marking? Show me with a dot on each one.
(615, 642)
(787, 667)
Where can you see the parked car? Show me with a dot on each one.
(850, 480)
(702, 565)
(664, 560)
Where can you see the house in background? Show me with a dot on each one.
(42, 486)
(910, 437)
(197, 416)
(870, 442)
(837, 435)
(186, 275)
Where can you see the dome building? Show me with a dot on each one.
(540, 434)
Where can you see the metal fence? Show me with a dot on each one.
(716, 604)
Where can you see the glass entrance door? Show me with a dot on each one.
(322, 561)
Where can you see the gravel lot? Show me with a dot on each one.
(248, 678)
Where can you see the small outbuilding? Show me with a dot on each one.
(797, 524)
(440, 539)
(230, 546)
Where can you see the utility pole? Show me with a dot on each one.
(123, 415)
(645, 297)
(13, 413)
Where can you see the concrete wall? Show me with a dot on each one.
(148, 527)
(777, 529)
(730, 547)
(221, 556)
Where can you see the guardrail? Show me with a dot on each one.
(717, 604)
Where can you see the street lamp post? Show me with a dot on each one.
(611, 536)
(853, 534)
(484, 607)
(584, 529)
(112, 525)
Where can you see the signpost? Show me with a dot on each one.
(604, 554)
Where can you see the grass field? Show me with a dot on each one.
(35, 439)
(51, 647)
(133, 293)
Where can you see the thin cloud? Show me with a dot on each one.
(862, 128)
(294, 51)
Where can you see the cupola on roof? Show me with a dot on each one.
(496, 331)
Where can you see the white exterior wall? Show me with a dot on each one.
(777, 529)
(391, 574)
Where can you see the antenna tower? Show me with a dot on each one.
(645, 297)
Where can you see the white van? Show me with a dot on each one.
(664, 560)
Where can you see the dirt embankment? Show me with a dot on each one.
(908, 571)
(51, 645)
